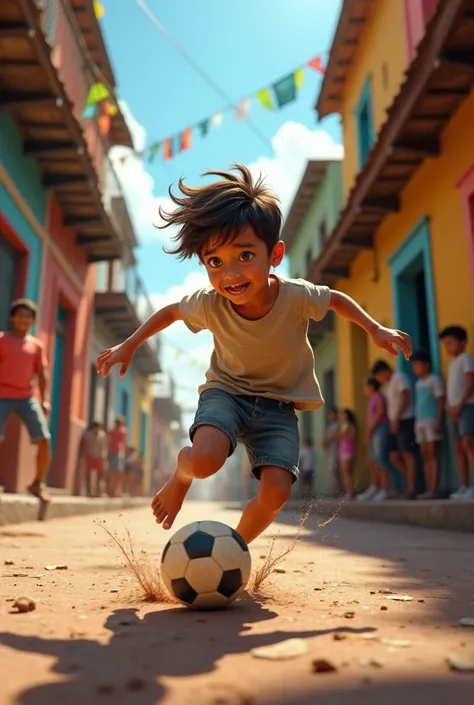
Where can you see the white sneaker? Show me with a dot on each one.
(459, 494)
(368, 494)
(381, 496)
(468, 494)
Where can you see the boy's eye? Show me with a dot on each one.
(246, 256)
(214, 262)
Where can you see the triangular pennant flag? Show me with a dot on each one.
(264, 97)
(153, 150)
(89, 112)
(168, 148)
(216, 120)
(285, 89)
(204, 127)
(317, 64)
(104, 124)
(99, 9)
(242, 110)
(97, 92)
(110, 108)
(185, 139)
(299, 78)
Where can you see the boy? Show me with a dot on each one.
(95, 458)
(429, 412)
(117, 441)
(401, 414)
(460, 398)
(262, 366)
(22, 363)
(306, 466)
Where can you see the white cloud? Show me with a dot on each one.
(293, 145)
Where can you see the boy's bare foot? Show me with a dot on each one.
(167, 503)
(37, 490)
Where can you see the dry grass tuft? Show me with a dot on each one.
(145, 573)
(271, 561)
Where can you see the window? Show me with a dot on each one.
(309, 259)
(364, 122)
(8, 273)
(322, 234)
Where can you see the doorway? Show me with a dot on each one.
(57, 381)
(8, 268)
(414, 294)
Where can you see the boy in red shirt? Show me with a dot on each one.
(22, 363)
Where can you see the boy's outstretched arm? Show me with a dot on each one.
(387, 338)
(122, 354)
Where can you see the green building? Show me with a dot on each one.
(312, 216)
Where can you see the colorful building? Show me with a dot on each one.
(55, 222)
(400, 76)
(313, 214)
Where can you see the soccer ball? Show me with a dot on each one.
(206, 565)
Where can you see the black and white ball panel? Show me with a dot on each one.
(206, 564)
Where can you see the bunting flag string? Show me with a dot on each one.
(100, 105)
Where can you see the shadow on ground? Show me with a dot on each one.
(429, 564)
(171, 642)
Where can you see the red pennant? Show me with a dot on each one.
(317, 64)
(185, 141)
(168, 148)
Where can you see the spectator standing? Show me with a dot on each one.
(377, 439)
(347, 450)
(460, 400)
(429, 413)
(117, 440)
(95, 458)
(401, 414)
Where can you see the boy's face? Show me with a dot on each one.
(421, 369)
(22, 320)
(383, 377)
(239, 268)
(453, 346)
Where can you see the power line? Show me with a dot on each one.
(200, 71)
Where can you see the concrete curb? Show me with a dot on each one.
(436, 514)
(17, 508)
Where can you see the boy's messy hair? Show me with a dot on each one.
(222, 209)
(421, 356)
(457, 332)
(380, 366)
(23, 305)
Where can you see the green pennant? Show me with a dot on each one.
(204, 127)
(285, 90)
(153, 150)
(97, 92)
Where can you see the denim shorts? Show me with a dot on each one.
(267, 427)
(464, 425)
(30, 412)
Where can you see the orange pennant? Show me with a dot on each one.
(185, 141)
(317, 64)
(104, 124)
(168, 148)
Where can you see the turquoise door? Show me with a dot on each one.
(57, 375)
(143, 433)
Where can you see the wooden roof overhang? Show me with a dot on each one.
(353, 17)
(37, 100)
(437, 82)
(119, 313)
(311, 181)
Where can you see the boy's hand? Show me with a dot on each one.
(390, 339)
(119, 355)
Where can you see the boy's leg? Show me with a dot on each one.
(32, 415)
(260, 512)
(204, 458)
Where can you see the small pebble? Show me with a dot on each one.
(279, 570)
(321, 665)
(9, 562)
(384, 608)
(114, 590)
(24, 604)
(339, 637)
(349, 615)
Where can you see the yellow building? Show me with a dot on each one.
(400, 75)
(141, 436)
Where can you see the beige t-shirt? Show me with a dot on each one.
(270, 357)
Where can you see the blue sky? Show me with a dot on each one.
(244, 46)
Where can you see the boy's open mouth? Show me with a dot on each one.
(237, 289)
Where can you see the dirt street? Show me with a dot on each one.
(91, 639)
